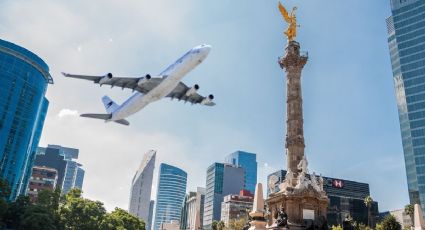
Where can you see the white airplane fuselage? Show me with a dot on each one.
(172, 76)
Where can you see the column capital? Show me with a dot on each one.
(293, 58)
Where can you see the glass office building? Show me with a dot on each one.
(63, 159)
(170, 194)
(23, 83)
(247, 161)
(222, 180)
(406, 39)
(79, 178)
(37, 136)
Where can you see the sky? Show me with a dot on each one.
(350, 114)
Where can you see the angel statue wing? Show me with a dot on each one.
(284, 13)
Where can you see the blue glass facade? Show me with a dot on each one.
(170, 194)
(406, 39)
(63, 159)
(222, 180)
(37, 136)
(79, 178)
(247, 161)
(23, 83)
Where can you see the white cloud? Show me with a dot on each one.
(67, 113)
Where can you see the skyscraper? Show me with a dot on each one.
(38, 130)
(79, 178)
(193, 211)
(222, 180)
(72, 168)
(235, 207)
(406, 38)
(150, 217)
(170, 194)
(247, 161)
(42, 178)
(23, 83)
(70, 173)
(141, 186)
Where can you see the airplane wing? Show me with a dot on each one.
(124, 82)
(146, 84)
(180, 93)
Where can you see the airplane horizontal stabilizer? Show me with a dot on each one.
(101, 116)
(123, 122)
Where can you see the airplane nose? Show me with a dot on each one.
(206, 49)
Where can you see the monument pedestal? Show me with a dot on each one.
(307, 204)
(258, 225)
(290, 227)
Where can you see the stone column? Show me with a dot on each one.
(293, 63)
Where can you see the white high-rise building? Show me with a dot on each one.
(141, 186)
(195, 210)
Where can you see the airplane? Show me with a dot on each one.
(151, 88)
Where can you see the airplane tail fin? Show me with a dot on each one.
(110, 105)
(103, 116)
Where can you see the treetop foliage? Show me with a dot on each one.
(52, 211)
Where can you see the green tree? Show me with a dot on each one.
(214, 225)
(237, 224)
(3, 211)
(368, 202)
(4, 194)
(410, 210)
(121, 219)
(73, 193)
(360, 226)
(16, 210)
(389, 223)
(79, 213)
(4, 189)
(37, 217)
(220, 225)
(50, 200)
(336, 227)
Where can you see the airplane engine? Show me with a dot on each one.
(105, 78)
(144, 79)
(207, 99)
(192, 90)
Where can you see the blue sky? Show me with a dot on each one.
(351, 122)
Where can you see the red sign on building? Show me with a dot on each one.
(338, 183)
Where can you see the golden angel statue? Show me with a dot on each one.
(291, 19)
